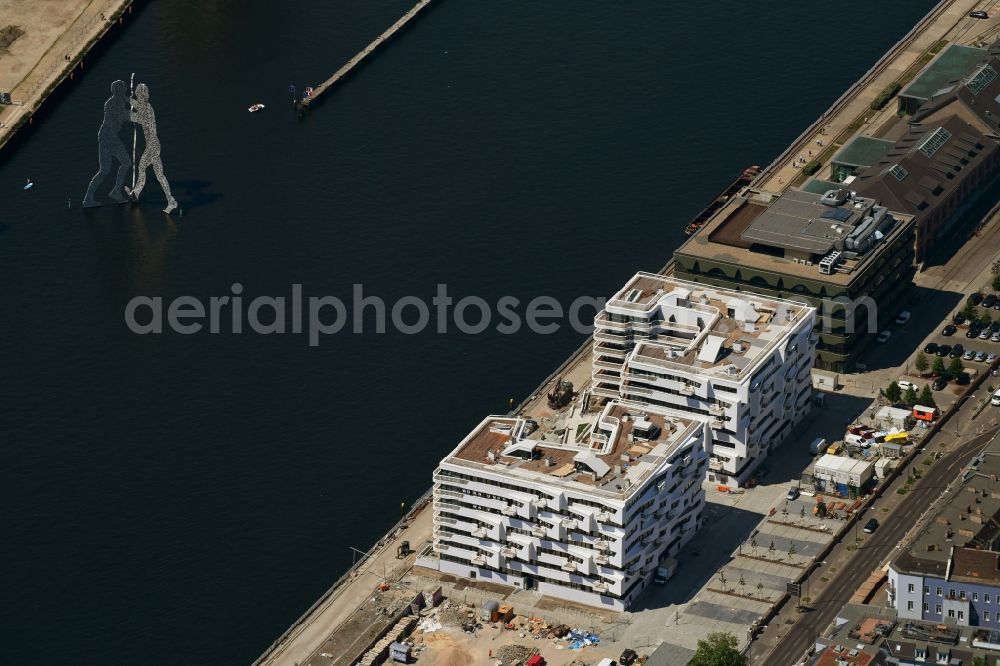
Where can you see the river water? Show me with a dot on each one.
(182, 498)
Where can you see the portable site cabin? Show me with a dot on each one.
(893, 417)
(845, 477)
(922, 413)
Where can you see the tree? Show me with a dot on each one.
(996, 283)
(910, 397)
(938, 366)
(985, 318)
(921, 363)
(955, 366)
(926, 397)
(969, 311)
(718, 649)
(893, 393)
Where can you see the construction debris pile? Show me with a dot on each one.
(378, 653)
(514, 655)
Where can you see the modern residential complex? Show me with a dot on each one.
(846, 255)
(950, 573)
(584, 508)
(738, 361)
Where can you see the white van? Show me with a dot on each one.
(995, 400)
(905, 385)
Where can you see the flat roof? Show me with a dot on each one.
(713, 242)
(612, 451)
(965, 522)
(951, 64)
(703, 328)
(797, 221)
(819, 186)
(862, 151)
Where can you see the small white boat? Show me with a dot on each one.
(29, 185)
(254, 108)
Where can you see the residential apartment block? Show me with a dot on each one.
(737, 361)
(583, 508)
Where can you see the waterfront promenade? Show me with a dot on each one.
(53, 38)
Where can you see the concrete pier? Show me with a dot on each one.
(368, 50)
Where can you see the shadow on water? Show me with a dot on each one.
(194, 193)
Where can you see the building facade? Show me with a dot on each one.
(740, 362)
(584, 512)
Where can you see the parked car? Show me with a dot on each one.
(939, 383)
(995, 400)
(884, 336)
(905, 385)
(968, 355)
(992, 356)
(871, 526)
(628, 657)
(902, 317)
(978, 14)
(958, 319)
(975, 298)
(793, 493)
(949, 330)
(957, 351)
(962, 379)
(995, 337)
(989, 301)
(931, 348)
(996, 306)
(944, 350)
(973, 332)
(980, 357)
(995, 326)
(984, 334)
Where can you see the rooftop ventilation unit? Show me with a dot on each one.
(835, 197)
(828, 264)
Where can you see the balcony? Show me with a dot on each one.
(509, 510)
(601, 586)
(479, 532)
(687, 389)
(717, 410)
(569, 566)
(570, 523)
(602, 546)
(603, 516)
(478, 561)
(601, 559)
(538, 531)
(509, 553)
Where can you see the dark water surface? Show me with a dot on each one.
(181, 499)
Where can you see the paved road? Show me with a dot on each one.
(877, 547)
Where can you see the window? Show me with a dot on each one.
(951, 612)
(986, 616)
(939, 591)
(909, 605)
(926, 608)
(951, 592)
(961, 615)
(975, 596)
(937, 608)
(898, 172)
(986, 598)
(961, 595)
(980, 79)
(934, 141)
(927, 590)
(909, 588)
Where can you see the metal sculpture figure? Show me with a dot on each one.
(110, 146)
(142, 114)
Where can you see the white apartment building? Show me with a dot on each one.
(583, 508)
(736, 360)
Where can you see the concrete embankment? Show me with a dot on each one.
(44, 45)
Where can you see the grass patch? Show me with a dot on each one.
(902, 491)
(927, 461)
(883, 97)
(824, 579)
(938, 45)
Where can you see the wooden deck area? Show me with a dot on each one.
(353, 62)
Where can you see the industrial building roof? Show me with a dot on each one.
(862, 151)
(948, 66)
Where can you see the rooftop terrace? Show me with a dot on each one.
(705, 329)
(951, 64)
(609, 452)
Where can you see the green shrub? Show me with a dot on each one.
(883, 97)
(811, 167)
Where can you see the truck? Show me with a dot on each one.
(817, 445)
(665, 571)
